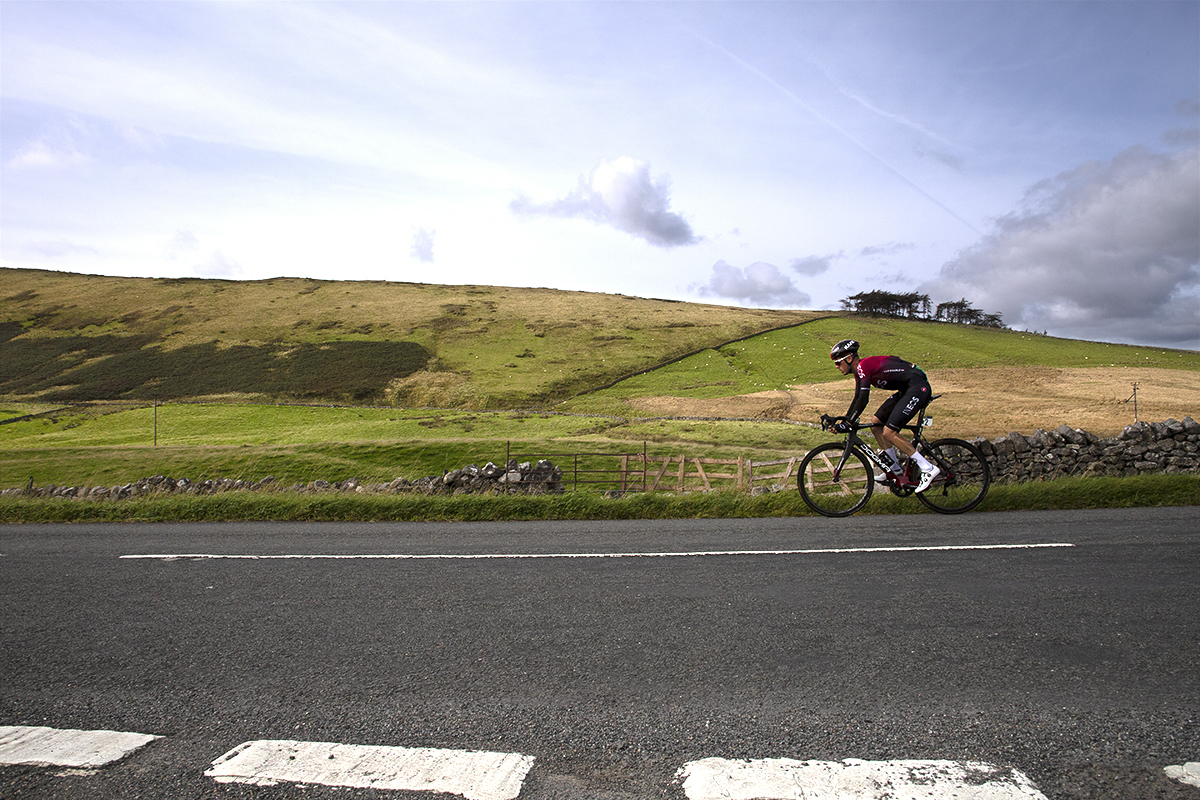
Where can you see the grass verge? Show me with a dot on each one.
(1065, 493)
(113, 445)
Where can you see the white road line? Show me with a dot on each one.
(687, 554)
(472, 774)
(1188, 773)
(36, 746)
(852, 779)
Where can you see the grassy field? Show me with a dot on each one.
(991, 381)
(66, 337)
(800, 355)
(110, 445)
(420, 372)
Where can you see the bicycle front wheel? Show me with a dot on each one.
(964, 477)
(831, 487)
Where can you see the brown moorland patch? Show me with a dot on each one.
(989, 402)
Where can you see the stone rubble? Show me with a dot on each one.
(540, 478)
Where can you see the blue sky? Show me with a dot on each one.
(1039, 159)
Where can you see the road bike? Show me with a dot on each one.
(836, 479)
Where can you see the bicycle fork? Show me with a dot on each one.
(837, 469)
(852, 442)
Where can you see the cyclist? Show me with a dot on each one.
(912, 393)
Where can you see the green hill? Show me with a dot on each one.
(799, 355)
(67, 338)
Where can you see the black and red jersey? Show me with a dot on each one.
(886, 372)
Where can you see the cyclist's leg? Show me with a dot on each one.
(909, 403)
(899, 413)
(879, 430)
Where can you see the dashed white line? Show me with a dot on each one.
(473, 774)
(852, 779)
(481, 775)
(683, 554)
(38, 746)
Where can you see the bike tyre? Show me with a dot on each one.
(964, 480)
(839, 498)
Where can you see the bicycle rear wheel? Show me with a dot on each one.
(832, 491)
(964, 477)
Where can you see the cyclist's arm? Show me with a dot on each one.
(862, 394)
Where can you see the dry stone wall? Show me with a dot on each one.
(1169, 447)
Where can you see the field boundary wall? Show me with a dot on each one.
(1169, 447)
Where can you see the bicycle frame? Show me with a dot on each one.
(832, 482)
(854, 440)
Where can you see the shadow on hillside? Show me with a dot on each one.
(82, 368)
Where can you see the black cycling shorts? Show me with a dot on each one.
(901, 407)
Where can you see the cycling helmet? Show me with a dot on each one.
(843, 348)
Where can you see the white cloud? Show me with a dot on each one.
(760, 283)
(56, 249)
(1107, 251)
(185, 247)
(182, 243)
(812, 265)
(620, 193)
(218, 266)
(422, 245)
(891, 248)
(40, 154)
(216, 97)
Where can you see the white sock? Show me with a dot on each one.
(923, 462)
(891, 453)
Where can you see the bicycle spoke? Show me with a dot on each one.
(832, 492)
(964, 477)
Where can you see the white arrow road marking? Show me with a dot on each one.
(1188, 773)
(474, 775)
(38, 746)
(852, 779)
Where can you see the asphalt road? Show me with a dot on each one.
(1078, 665)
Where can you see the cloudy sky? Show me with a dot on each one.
(1038, 159)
